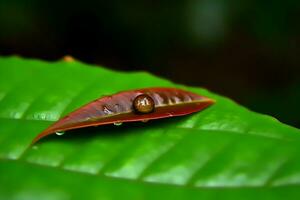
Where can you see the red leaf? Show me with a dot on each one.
(118, 108)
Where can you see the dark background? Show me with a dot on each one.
(247, 50)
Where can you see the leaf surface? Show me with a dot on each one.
(225, 151)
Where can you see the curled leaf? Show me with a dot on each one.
(129, 106)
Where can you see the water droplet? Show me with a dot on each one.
(145, 120)
(59, 133)
(118, 123)
(106, 110)
(35, 147)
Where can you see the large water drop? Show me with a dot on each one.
(117, 123)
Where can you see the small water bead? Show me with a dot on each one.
(145, 120)
(59, 133)
(35, 147)
(118, 123)
(107, 111)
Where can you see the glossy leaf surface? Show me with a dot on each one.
(224, 151)
(118, 108)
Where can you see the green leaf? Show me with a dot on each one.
(225, 151)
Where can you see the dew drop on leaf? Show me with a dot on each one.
(35, 147)
(117, 123)
(107, 111)
(59, 133)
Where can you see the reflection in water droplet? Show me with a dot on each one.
(59, 133)
(145, 120)
(117, 123)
